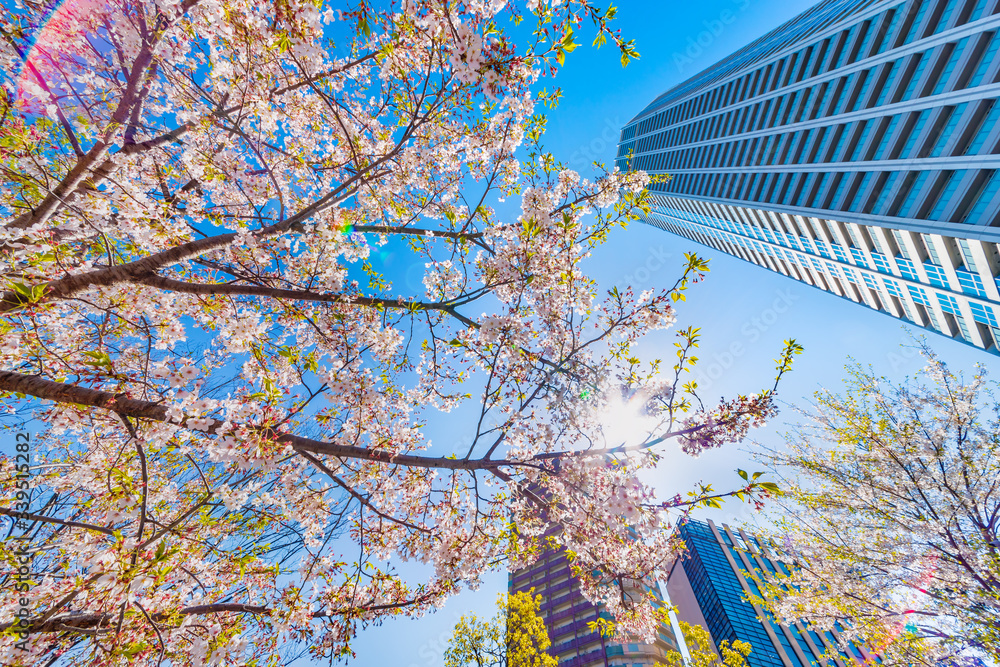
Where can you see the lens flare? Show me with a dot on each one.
(55, 40)
(625, 422)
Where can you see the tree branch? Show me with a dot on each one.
(64, 392)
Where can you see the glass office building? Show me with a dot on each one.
(567, 614)
(855, 148)
(708, 584)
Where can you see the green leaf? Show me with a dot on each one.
(135, 649)
(97, 358)
(567, 43)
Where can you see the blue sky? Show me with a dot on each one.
(741, 307)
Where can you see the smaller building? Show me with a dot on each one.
(567, 615)
(707, 585)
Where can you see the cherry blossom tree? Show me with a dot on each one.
(231, 401)
(892, 516)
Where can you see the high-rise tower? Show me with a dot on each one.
(708, 586)
(855, 148)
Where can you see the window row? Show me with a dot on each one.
(735, 229)
(891, 29)
(968, 63)
(865, 246)
(814, 20)
(970, 128)
(830, 279)
(968, 196)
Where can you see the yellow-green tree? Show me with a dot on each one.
(699, 644)
(891, 514)
(515, 637)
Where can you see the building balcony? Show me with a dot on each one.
(594, 657)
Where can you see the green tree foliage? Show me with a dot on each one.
(515, 637)
(892, 517)
(699, 644)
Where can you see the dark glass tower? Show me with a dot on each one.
(708, 584)
(855, 148)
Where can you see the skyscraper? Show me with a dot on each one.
(567, 614)
(707, 587)
(855, 148)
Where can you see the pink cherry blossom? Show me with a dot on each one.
(243, 423)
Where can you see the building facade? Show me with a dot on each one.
(708, 585)
(567, 614)
(855, 148)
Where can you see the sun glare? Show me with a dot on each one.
(624, 422)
